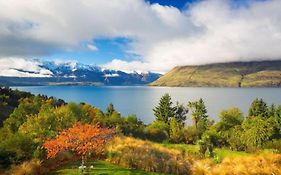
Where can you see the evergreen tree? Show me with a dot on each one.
(164, 111)
(199, 112)
(109, 110)
(176, 131)
(272, 111)
(258, 108)
(180, 113)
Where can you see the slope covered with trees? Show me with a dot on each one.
(236, 74)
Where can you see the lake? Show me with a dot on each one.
(140, 100)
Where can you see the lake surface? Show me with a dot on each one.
(140, 100)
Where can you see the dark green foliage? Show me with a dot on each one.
(229, 118)
(164, 110)
(191, 135)
(206, 145)
(257, 131)
(273, 144)
(224, 128)
(272, 111)
(158, 131)
(180, 113)
(258, 108)
(109, 110)
(235, 139)
(176, 131)
(132, 126)
(9, 99)
(18, 148)
(199, 116)
(199, 112)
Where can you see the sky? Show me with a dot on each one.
(139, 35)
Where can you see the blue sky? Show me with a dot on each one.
(107, 49)
(141, 35)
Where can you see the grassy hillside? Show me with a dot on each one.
(236, 74)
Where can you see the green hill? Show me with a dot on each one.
(235, 74)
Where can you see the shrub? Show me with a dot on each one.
(147, 156)
(17, 148)
(191, 135)
(158, 131)
(27, 168)
(274, 144)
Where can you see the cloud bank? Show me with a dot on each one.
(19, 67)
(163, 36)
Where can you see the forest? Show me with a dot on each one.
(41, 135)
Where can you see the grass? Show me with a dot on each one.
(221, 153)
(99, 168)
(254, 74)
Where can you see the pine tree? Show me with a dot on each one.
(272, 111)
(258, 108)
(180, 113)
(164, 111)
(109, 110)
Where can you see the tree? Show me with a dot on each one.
(109, 110)
(272, 111)
(164, 111)
(180, 113)
(158, 131)
(176, 131)
(82, 139)
(258, 108)
(229, 118)
(199, 112)
(257, 131)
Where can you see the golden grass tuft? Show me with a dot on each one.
(27, 168)
(269, 164)
(147, 156)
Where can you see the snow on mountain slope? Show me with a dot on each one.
(70, 71)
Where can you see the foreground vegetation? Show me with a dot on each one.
(98, 167)
(46, 135)
(237, 74)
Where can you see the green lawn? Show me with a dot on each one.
(221, 153)
(99, 168)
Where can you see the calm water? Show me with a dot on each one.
(141, 100)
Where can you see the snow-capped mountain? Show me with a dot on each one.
(51, 72)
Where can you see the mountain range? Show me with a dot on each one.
(234, 74)
(70, 73)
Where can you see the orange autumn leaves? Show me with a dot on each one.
(80, 138)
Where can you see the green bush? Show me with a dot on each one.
(158, 131)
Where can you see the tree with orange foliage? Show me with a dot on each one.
(81, 139)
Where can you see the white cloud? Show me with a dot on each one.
(92, 47)
(19, 67)
(129, 67)
(207, 32)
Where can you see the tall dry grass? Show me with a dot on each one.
(147, 156)
(269, 164)
(27, 168)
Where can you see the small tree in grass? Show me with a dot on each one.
(82, 139)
